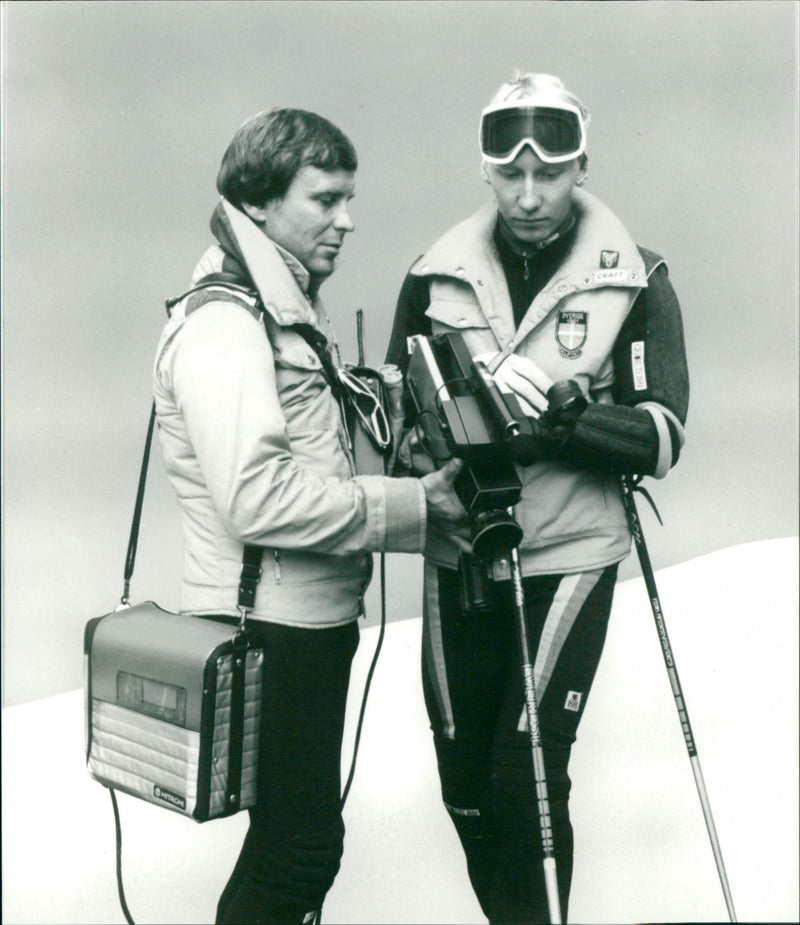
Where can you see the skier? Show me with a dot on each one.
(544, 283)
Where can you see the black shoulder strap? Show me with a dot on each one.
(218, 287)
(227, 281)
(311, 335)
(319, 344)
(133, 540)
(251, 555)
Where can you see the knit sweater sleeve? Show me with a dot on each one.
(650, 353)
(409, 318)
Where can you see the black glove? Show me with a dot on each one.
(608, 438)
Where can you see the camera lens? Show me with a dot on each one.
(494, 534)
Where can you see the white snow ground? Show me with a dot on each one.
(642, 852)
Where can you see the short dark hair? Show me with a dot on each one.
(266, 153)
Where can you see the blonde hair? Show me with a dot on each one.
(525, 85)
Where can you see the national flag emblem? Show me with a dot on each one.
(609, 259)
(571, 328)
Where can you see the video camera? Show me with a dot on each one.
(463, 413)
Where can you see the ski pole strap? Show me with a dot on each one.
(635, 483)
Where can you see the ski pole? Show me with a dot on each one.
(677, 691)
(542, 799)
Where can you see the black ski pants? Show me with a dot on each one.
(292, 850)
(472, 681)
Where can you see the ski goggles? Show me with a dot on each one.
(556, 132)
(367, 407)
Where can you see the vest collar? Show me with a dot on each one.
(283, 283)
(602, 255)
(467, 251)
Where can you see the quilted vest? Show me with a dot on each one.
(572, 519)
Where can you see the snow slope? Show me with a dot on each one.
(642, 852)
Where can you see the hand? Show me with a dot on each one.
(412, 457)
(442, 501)
(522, 377)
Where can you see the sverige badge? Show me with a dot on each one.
(571, 329)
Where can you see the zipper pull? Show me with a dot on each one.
(276, 566)
(526, 268)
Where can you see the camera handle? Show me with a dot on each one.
(532, 710)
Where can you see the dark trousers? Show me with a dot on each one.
(292, 850)
(473, 688)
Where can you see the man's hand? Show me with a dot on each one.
(443, 505)
(522, 377)
(412, 457)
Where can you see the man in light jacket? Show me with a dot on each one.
(247, 391)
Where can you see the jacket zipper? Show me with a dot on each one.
(276, 566)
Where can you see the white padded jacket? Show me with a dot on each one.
(255, 449)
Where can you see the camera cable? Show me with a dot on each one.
(120, 887)
(367, 684)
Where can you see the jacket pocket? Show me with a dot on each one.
(296, 568)
(302, 388)
(294, 353)
(558, 505)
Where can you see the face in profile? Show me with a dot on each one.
(311, 219)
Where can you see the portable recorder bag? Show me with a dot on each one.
(173, 701)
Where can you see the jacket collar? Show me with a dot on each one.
(283, 283)
(467, 251)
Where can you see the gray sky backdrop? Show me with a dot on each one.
(115, 116)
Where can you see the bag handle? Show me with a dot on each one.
(251, 555)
